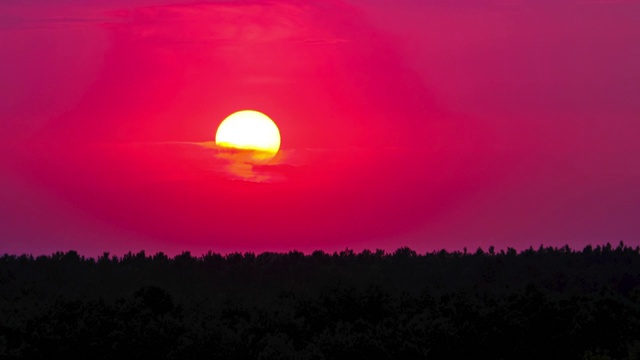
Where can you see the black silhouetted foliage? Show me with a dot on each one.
(551, 303)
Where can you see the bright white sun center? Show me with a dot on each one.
(250, 130)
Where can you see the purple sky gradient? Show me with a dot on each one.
(430, 124)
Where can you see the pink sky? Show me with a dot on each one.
(429, 124)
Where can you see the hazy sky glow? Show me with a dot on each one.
(429, 124)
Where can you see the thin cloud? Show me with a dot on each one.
(238, 22)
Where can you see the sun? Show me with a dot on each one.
(251, 131)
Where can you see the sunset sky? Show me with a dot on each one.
(423, 123)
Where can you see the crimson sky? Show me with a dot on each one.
(429, 124)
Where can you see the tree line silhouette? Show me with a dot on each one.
(553, 303)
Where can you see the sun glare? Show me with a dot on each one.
(249, 130)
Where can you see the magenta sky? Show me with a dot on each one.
(429, 124)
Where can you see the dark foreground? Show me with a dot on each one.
(538, 304)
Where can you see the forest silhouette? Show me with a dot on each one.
(552, 303)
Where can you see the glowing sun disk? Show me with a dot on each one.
(249, 130)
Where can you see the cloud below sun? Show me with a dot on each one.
(246, 165)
